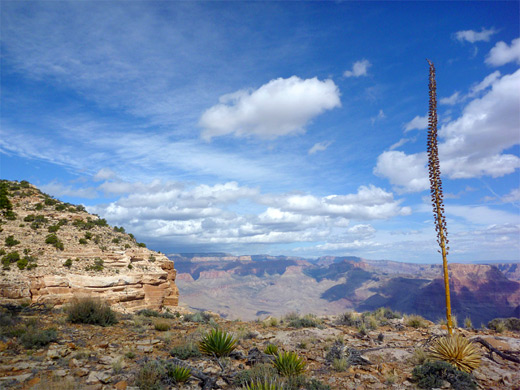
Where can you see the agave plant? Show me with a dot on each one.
(271, 349)
(178, 373)
(289, 364)
(217, 343)
(458, 351)
(436, 189)
(264, 384)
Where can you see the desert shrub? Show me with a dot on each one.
(313, 384)
(458, 351)
(53, 228)
(387, 313)
(467, 323)
(415, 321)
(22, 263)
(36, 338)
(10, 215)
(162, 326)
(349, 319)
(88, 235)
(501, 324)
(289, 364)
(340, 364)
(432, 375)
(80, 208)
(151, 258)
(25, 184)
(50, 202)
(10, 258)
(90, 311)
(10, 241)
(185, 351)
(38, 206)
(29, 218)
(149, 376)
(257, 373)
(101, 222)
(420, 356)
(60, 207)
(217, 343)
(97, 266)
(178, 374)
(53, 240)
(119, 229)
(68, 263)
(307, 321)
(82, 241)
(271, 349)
(130, 266)
(200, 316)
(141, 244)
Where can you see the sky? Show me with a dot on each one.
(282, 128)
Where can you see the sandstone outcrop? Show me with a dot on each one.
(93, 259)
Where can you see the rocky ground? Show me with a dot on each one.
(94, 357)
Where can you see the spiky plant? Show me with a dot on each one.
(458, 351)
(217, 343)
(289, 364)
(436, 189)
(271, 349)
(264, 384)
(178, 374)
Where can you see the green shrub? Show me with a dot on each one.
(60, 207)
(88, 235)
(68, 263)
(141, 244)
(22, 263)
(264, 384)
(149, 377)
(35, 338)
(53, 240)
(217, 343)
(97, 266)
(289, 364)
(119, 229)
(10, 258)
(90, 311)
(340, 364)
(50, 201)
(10, 215)
(82, 241)
(10, 241)
(53, 228)
(432, 375)
(178, 374)
(153, 313)
(185, 351)
(467, 323)
(349, 319)
(39, 207)
(29, 218)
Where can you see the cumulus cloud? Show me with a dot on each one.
(320, 147)
(502, 54)
(484, 84)
(280, 107)
(358, 69)
(417, 123)
(472, 145)
(474, 36)
(104, 174)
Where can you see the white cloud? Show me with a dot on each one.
(470, 146)
(407, 173)
(280, 107)
(484, 84)
(502, 54)
(58, 190)
(380, 115)
(399, 143)
(417, 123)
(104, 174)
(451, 100)
(320, 147)
(358, 69)
(474, 36)
(513, 196)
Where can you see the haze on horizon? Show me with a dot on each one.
(290, 128)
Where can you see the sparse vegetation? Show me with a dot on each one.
(307, 321)
(90, 311)
(67, 263)
(501, 324)
(185, 351)
(162, 326)
(271, 349)
(178, 374)
(415, 321)
(199, 316)
(53, 240)
(36, 338)
(97, 266)
(10, 241)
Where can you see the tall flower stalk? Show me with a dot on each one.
(436, 189)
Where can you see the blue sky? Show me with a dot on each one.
(294, 128)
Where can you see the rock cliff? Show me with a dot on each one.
(53, 251)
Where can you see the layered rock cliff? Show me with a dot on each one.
(53, 251)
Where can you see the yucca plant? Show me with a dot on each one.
(179, 374)
(271, 349)
(436, 189)
(264, 384)
(289, 364)
(458, 351)
(217, 343)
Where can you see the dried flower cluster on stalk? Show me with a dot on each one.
(436, 187)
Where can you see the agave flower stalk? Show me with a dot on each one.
(436, 189)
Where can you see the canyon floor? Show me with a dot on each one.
(94, 357)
